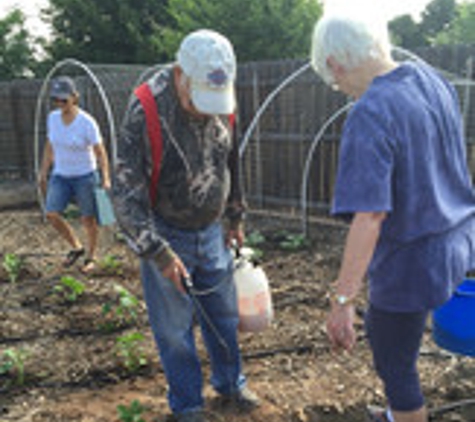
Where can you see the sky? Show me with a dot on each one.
(31, 9)
(389, 9)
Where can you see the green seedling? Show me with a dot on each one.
(132, 413)
(119, 237)
(123, 311)
(12, 362)
(129, 349)
(70, 288)
(257, 255)
(255, 238)
(111, 264)
(253, 241)
(72, 213)
(294, 242)
(12, 265)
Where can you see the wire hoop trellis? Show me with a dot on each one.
(467, 83)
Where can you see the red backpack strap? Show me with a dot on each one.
(232, 120)
(154, 130)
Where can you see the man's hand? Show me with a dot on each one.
(340, 329)
(235, 235)
(176, 272)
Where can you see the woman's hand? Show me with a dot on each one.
(340, 327)
(106, 183)
(43, 183)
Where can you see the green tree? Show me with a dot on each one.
(107, 31)
(405, 32)
(436, 16)
(259, 30)
(16, 54)
(462, 29)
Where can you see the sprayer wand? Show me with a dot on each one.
(188, 283)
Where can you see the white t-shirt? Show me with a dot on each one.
(73, 143)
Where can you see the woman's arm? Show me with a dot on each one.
(103, 160)
(46, 163)
(360, 244)
(359, 248)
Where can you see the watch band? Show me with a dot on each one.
(342, 300)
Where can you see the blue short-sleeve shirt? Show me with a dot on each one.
(403, 152)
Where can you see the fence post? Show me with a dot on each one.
(19, 152)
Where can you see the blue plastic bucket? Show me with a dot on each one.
(454, 322)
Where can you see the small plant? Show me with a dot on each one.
(129, 348)
(255, 238)
(70, 288)
(132, 413)
(294, 242)
(72, 212)
(12, 362)
(253, 241)
(123, 311)
(120, 237)
(12, 265)
(111, 265)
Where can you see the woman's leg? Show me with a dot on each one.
(59, 194)
(92, 232)
(84, 192)
(395, 339)
(64, 229)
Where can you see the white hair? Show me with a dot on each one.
(350, 40)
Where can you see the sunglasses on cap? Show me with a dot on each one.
(59, 100)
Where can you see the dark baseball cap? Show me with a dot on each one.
(62, 87)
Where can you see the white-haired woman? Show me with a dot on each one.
(403, 178)
(73, 150)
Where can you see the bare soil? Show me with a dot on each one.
(73, 371)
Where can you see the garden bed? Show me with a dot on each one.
(69, 365)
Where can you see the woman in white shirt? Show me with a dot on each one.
(73, 150)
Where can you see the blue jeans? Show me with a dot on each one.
(172, 313)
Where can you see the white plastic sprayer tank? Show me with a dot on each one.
(254, 296)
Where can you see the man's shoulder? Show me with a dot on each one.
(161, 81)
(159, 84)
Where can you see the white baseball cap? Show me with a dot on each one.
(208, 59)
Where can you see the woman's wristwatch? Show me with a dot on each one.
(342, 300)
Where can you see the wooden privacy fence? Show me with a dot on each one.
(278, 149)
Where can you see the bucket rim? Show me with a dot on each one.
(460, 292)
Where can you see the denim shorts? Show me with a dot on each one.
(64, 190)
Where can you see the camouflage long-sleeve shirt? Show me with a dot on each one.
(199, 176)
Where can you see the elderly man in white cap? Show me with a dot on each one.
(177, 175)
